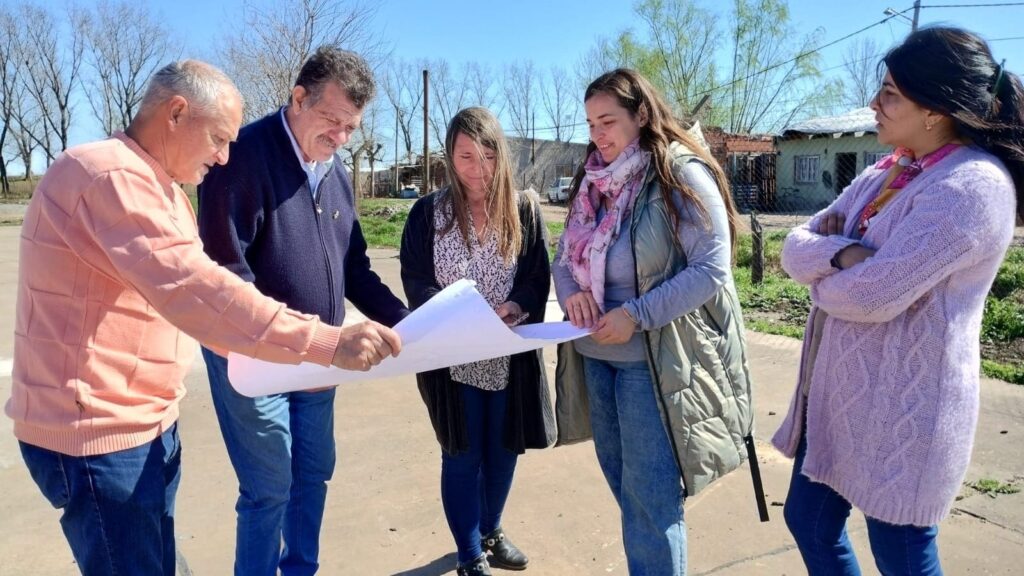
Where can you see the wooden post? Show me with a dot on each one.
(757, 241)
(426, 147)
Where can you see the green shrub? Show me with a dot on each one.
(1003, 320)
(1010, 277)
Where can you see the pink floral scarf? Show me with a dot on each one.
(585, 240)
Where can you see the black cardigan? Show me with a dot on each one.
(529, 422)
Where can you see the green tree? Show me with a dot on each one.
(772, 78)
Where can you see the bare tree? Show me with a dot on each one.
(520, 89)
(264, 56)
(364, 144)
(52, 72)
(598, 59)
(25, 117)
(405, 94)
(480, 87)
(860, 64)
(126, 45)
(561, 103)
(447, 96)
(9, 83)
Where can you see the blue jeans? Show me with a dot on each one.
(816, 516)
(636, 456)
(476, 483)
(118, 508)
(282, 449)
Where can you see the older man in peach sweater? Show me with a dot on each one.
(113, 288)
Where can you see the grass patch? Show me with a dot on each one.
(383, 221)
(777, 328)
(1012, 373)
(993, 488)
(555, 230)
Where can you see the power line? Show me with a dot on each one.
(803, 54)
(769, 68)
(972, 5)
(1007, 38)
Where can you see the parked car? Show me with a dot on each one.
(559, 191)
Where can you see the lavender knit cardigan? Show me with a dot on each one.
(893, 399)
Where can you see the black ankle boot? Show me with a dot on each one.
(504, 553)
(478, 567)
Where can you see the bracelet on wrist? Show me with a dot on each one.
(630, 316)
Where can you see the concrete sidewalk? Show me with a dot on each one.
(384, 513)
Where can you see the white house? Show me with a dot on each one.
(819, 157)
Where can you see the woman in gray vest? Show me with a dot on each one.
(662, 382)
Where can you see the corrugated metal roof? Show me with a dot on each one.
(859, 120)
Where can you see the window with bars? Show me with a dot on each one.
(806, 169)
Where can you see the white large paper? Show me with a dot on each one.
(456, 326)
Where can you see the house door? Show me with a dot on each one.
(846, 170)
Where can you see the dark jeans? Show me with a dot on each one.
(118, 508)
(283, 452)
(476, 483)
(816, 515)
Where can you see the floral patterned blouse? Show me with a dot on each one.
(482, 263)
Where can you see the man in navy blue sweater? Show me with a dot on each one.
(281, 214)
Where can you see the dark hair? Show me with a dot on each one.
(952, 71)
(345, 68)
(637, 95)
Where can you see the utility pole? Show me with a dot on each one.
(426, 147)
(395, 189)
(917, 12)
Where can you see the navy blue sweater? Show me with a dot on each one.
(258, 218)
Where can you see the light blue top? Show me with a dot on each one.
(708, 253)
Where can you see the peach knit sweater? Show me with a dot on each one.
(113, 286)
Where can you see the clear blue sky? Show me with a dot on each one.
(559, 32)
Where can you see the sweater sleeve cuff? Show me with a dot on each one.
(325, 342)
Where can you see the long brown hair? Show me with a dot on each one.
(634, 93)
(481, 126)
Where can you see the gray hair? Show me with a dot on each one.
(343, 67)
(201, 84)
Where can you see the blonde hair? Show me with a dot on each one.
(481, 126)
(634, 93)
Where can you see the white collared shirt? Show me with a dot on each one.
(315, 171)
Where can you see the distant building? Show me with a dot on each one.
(538, 163)
(819, 157)
(749, 162)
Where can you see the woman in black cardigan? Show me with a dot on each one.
(485, 413)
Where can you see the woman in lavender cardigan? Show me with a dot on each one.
(899, 266)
